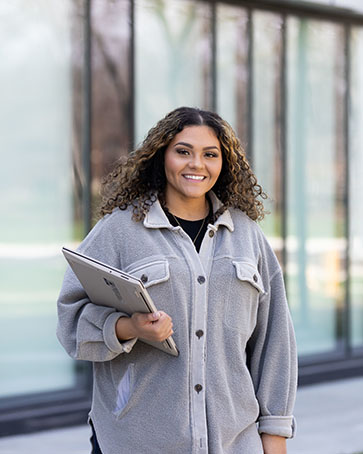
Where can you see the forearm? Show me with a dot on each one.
(124, 329)
(273, 444)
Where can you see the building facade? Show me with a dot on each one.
(82, 81)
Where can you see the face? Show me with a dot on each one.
(193, 162)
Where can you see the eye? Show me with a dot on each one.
(182, 151)
(211, 154)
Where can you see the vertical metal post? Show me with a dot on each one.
(87, 118)
(250, 89)
(214, 55)
(283, 141)
(347, 77)
(300, 178)
(132, 110)
(84, 370)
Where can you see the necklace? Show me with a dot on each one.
(201, 227)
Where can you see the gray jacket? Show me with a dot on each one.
(236, 373)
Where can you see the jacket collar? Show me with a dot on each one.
(156, 218)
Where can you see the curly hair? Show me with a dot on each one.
(141, 180)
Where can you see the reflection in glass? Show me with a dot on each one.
(267, 157)
(232, 70)
(36, 191)
(315, 187)
(356, 187)
(355, 5)
(111, 93)
(172, 58)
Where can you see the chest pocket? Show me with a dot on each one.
(151, 273)
(242, 304)
(155, 276)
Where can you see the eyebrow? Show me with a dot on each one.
(185, 144)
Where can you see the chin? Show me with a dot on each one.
(195, 196)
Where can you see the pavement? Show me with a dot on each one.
(329, 421)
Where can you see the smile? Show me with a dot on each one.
(194, 177)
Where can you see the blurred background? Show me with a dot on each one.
(82, 81)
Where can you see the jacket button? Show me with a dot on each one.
(199, 333)
(211, 233)
(198, 388)
(255, 278)
(201, 279)
(144, 278)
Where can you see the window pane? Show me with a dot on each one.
(232, 72)
(111, 93)
(173, 58)
(267, 157)
(354, 5)
(36, 191)
(356, 187)
(316, 185)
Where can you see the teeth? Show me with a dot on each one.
(194, 177)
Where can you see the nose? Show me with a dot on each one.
(196, 162)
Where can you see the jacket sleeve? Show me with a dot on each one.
(86, 330)
(272, 360)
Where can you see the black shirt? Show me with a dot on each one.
(195, 229)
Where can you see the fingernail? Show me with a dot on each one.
(156, 315)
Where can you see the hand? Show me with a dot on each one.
(154, 327)
(273, 444)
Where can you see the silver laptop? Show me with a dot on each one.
(108, 286)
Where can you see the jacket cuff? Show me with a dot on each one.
(283, 426)
(110, 338)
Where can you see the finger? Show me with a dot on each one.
(152, 317)
(164, 314)
(165, 318)
(162, 337)
(155, 316)
(170, 333)
(143, 320)
(163, 327)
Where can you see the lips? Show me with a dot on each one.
(194, 177)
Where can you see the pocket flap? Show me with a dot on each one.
(248, 272)
(152, 273)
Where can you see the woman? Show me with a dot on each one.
(180, 214)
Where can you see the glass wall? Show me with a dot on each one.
(275, 83)
(316, 242)
(36, 191)
(266, 118)
(112, 121)
(172, 59)
(356, 187)
(355, 5)
(232, 68)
